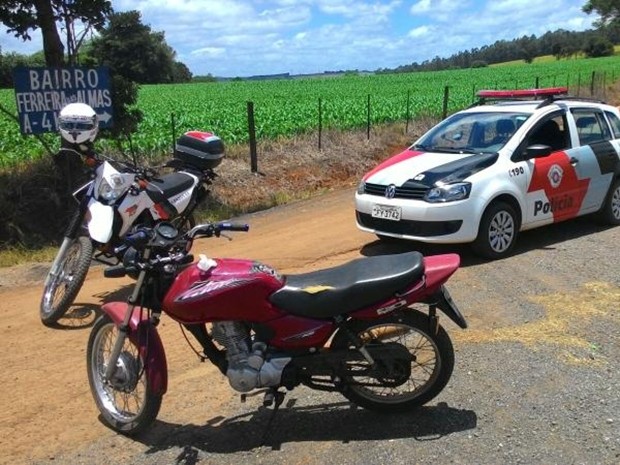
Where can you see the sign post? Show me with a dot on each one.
(40, 94)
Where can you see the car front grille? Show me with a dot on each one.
(403, 192)
(408, 227)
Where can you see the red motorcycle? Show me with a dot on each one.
(351, 329)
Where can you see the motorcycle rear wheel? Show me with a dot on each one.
(62, 286)
(405, 387)
(127, 402)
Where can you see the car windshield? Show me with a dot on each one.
(479, 132)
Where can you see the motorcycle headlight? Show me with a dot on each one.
(448, 192)
(113, 191)
(361, 187)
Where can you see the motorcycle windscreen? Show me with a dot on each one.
(100, 223)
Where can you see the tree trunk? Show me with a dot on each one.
(52, 45)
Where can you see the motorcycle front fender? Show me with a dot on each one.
(100, 222)
(146, 338)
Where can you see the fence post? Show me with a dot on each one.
(446, 95)
(320, 122)
(537, 85)
(252, 134)
(592, 84)
(174, 131)
(408, 112)
(368, 119)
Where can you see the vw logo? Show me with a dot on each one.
(390, 191)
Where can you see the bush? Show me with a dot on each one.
(598, 46)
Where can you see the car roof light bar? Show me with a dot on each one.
(523, 93)
(548, 93)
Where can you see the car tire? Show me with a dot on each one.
(610, 211)
(497, 232)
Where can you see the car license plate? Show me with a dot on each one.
(386, 212)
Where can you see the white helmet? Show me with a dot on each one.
(78, 123)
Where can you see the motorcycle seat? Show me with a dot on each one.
(169, 185)
(349, 287)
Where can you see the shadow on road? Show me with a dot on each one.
(82, 315)
(545, 238)
(340, 422)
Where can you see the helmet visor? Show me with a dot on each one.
(77, 125)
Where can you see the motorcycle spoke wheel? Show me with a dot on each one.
(126, 402)
(64, 284)
(398, 385)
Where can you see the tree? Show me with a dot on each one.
(132, 49)
(181, 72)
(22, 17)
(608, 10)
(598, 46)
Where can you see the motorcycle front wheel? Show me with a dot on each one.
(127, 402)
(65, 278)
(397, 385)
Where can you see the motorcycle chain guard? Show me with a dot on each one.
(392, 367)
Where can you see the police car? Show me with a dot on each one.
(517, 160)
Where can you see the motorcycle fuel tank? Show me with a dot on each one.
(229, 289)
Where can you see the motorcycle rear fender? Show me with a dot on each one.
(100, 222)
(150, 347)
(437, 270)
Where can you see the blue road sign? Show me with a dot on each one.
(40, 94)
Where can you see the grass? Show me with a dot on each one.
(16, 255)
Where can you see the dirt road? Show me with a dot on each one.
(537, 374)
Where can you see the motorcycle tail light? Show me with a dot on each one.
(90, 162)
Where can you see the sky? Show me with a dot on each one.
(240, 38)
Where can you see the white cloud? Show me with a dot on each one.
(245, 37)
(419, 32)
(423, 6)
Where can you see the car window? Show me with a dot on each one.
(479, 132)
(615, 123)
(552, 132)
(591, 126)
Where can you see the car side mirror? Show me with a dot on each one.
(537, 151)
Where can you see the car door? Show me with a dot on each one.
(594, 157)
(554, 190)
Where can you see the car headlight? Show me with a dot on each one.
(110, 192)
(448, 192)
(361, 187)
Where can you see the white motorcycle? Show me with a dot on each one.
(118, 198)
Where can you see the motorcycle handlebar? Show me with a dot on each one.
(226, 226)
(138, 238)
(116, 271)
(215, 229)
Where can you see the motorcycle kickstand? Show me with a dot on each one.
(275, 398)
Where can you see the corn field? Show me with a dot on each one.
(284, 108)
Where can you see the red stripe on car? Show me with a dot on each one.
(406, 155)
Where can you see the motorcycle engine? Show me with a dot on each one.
(247, 367)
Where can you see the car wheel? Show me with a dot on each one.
(610, 211)
(497, 233)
